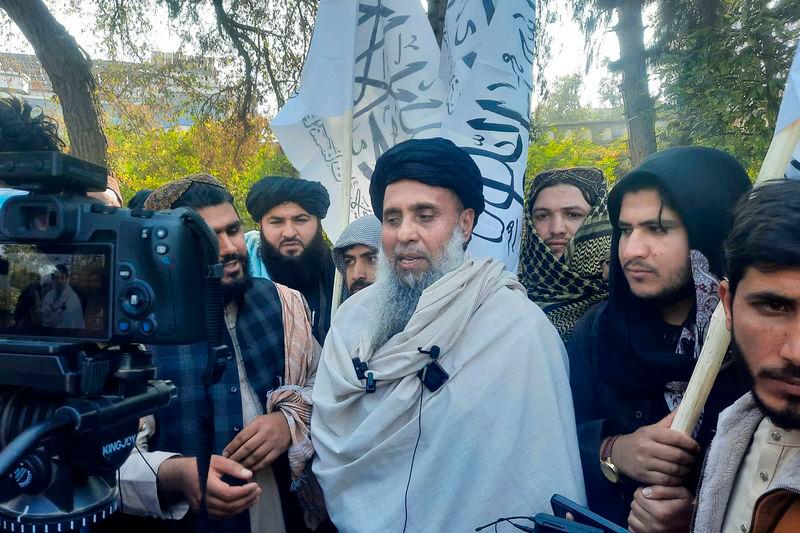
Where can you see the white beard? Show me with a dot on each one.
(396, 295)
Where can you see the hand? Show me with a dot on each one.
(656, 454)
(262, 441)
(179, 475)
(659, 509)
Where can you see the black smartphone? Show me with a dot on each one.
(545, 523)
(561, 506)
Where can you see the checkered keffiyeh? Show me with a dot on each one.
(565, 289)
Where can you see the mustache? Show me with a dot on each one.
(359, 284)
(639, 265)
(411, 250)
(233, 257)
(789, 373)
(291, 240)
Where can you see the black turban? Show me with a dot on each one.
(271, 191)
(436, 162)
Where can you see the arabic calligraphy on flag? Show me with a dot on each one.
(489, 47)
(386, 74)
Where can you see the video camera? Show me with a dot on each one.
(82, 285)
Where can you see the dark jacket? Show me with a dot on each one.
(259, 329)
(603, 410)
(622, 355)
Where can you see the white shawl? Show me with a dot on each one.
(498, 439)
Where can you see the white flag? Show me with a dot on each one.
(790, 111)
(379, 60)
(488, 48)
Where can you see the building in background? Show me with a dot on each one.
(173, 87)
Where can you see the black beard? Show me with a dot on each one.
(234, 290)
(296, 271)
(788, 418)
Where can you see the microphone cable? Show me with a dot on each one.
(413, 457)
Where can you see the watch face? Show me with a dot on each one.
(610, 471)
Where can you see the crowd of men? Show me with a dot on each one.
(446, 392)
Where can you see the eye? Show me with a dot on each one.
(372, 259)
(391, 220)
(348, 261)
(626, 231)
(576, 215)
(773, 307)
(426, 218)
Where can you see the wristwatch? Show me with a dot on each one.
(609, 469)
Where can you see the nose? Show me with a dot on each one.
(791, 345)
(360, 269)
(407, 232)
(226, 246)
(289, 231)
(634, 246)
(558, 225)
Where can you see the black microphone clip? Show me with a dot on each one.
(433, 376)
(360, 368)
(362, 372)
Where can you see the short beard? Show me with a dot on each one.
(296, 271)
(395, 295)
(678, 288)
(787, 418)
(234, 290)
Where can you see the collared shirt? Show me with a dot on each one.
(771, 449)
(138, 485)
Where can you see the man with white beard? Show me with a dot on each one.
(442, 401)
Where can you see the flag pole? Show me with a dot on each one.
(347, 165)
(718, 338)
(346, 186)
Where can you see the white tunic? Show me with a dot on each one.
(498, 439)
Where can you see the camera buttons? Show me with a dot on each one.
(125, 272)
(136, 300)
(161, 233)
(162, 249)
(123, 326)
(147, 326)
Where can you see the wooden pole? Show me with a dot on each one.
(347, 164)
(718, 337)
(346, 187)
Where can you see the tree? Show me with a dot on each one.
(595, 15)
(561, 152)
(69, 69)
(260, 45)
(149, 158)
(723, 65)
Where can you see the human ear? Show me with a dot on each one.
(726, 298)
(467, 222)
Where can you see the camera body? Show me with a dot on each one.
(82, 287)
(114, 275)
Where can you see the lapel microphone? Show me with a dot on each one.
(433, 376)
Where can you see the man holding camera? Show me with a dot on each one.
(272, 358)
